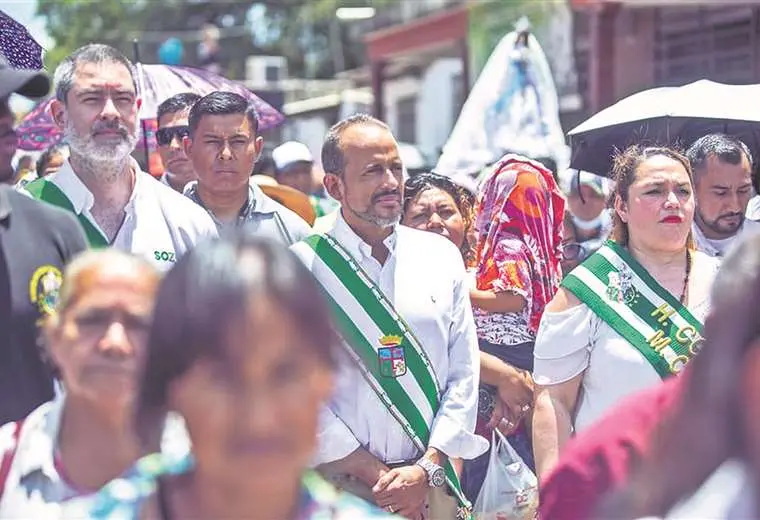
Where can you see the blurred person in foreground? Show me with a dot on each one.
(36, 241)
(242, 348)
(223, 146)
(631, 314)
(436, 204)
(723, 188)
(420, 369)
(96, 105)
(172, 115)
(71, 446)
(588, 221)
(704, 460)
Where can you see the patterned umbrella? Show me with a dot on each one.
(18, 46)
(38, 131)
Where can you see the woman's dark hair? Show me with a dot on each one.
(626, 164)
(205, 296)
(465, 201)
(704, 430)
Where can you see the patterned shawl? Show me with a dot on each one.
(518, 223)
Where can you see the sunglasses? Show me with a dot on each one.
(164, 136)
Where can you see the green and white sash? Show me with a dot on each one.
(367, 322)
(46, 191)
(623, 294)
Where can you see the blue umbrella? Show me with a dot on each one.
(17, 45)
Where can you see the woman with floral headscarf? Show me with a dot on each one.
(517, 272)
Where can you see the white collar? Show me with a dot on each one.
(358, 248)
(79, 195)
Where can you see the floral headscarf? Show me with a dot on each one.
(518, 223)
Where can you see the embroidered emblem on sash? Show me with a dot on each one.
(391, 357)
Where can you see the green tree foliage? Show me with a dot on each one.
(306, 32)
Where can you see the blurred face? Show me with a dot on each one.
(99, 119)
(253, 417)
(586, 204)
(436, 211)
(372, 185)
(298, 176)
(172, 129)
(223, 151)
(99, 341)
(660, 206)
(8, 142)
(723, 191)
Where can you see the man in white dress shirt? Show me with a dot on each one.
(117, 204)
(722, 167)
(362, 445)
(171, 116)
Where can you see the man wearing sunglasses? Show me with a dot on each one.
(172, 129)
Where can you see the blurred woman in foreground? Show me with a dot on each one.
(241, 348)
(705, 460)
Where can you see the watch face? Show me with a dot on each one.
(438, 478)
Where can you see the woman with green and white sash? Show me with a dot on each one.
(631, 314)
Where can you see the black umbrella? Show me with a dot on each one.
(674, 116)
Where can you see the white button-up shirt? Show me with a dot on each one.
(160, 224)
(424, 279)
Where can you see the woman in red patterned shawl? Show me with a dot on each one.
(517, 272)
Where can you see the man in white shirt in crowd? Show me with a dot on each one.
(294, 166)
(362, 445)
(722, 167)
(172, 129)
(223, 146)
(117, 204)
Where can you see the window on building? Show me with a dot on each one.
(406, 109)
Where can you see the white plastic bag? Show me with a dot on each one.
(510, 489)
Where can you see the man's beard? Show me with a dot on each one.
(724, 230)
(373, 218)
(90, 150)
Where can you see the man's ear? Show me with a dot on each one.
(259, 145)
(334, 186)
(57, 111)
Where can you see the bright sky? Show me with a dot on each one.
(23, 12)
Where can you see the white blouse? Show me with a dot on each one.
(576, 341)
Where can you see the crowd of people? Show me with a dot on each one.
(204, 345)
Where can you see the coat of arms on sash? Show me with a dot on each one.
(391, 357)
(620, 287)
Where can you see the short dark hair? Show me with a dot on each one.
(205, 294)
(63, 77)
(222, 103)
(333, 160)
(726, 148)
(176, 103)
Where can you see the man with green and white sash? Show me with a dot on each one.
(117, 204)
(406, 398)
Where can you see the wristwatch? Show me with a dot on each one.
(436, 474)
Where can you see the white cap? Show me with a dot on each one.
(289, 153)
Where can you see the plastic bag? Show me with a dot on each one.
(510, 489)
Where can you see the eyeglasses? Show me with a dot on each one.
(573, 251)
(164, 136)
